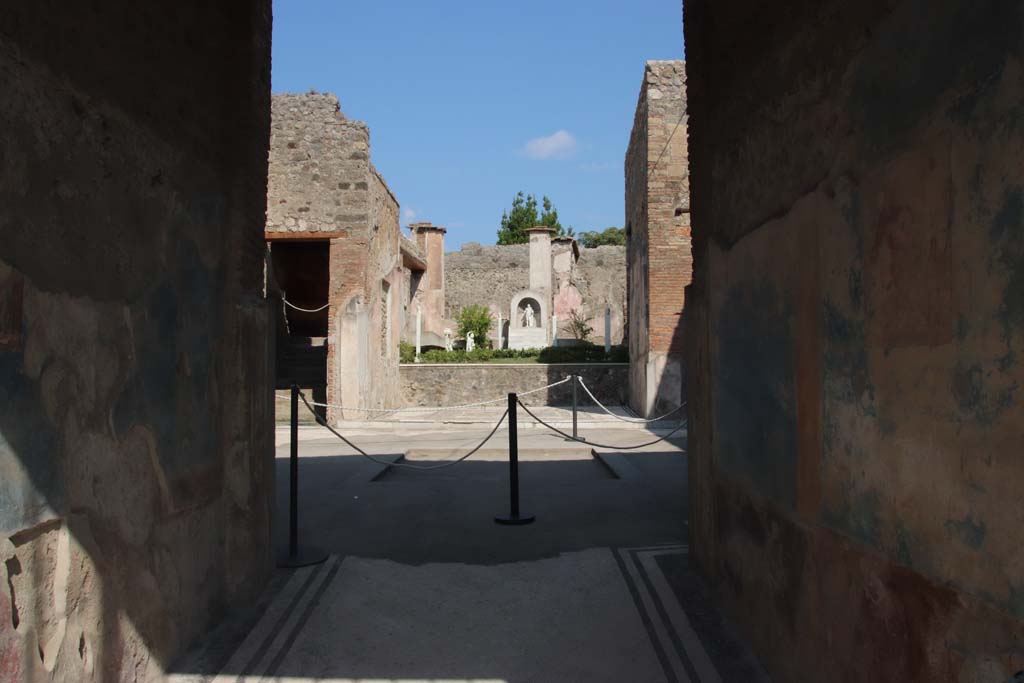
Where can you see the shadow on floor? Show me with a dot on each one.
(415, 517)
(423, 585)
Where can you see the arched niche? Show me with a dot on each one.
(518, 309)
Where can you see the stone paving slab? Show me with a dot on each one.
(568, 618)
(408, 435)
(561, 416)
(423, 585)
(596, 615)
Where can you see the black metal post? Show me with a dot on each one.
(293, 491)
(575, 381)
(296, 557)
(513, 468)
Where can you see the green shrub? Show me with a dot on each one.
(406, 352)
(479, 355)
(584, 353)
(516, 353)
(475, 319)
(442, 356)
(619, 354)
(578, 325)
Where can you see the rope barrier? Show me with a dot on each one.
(399, 464)
(599, 445)
(393, 410)
(304, 310)
(634, 420)
(426, 408)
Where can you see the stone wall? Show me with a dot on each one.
(658, 233)
(136, 445)
(319, 173)
(388, 297)
(462, 383)
(322, 186)
(855, 332)
(598, 276)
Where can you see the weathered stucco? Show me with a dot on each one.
(855, 333)
(430, 291)
(135, 414)
(658, 238)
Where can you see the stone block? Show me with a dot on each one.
(528, 338)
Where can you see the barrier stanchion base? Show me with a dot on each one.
(514, 521)
(305, 557)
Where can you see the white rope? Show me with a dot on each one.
(534, 391)
(304, 310)
(580, 439)
(401, 464)
(395, 410)
(634, 420)
(421, 409)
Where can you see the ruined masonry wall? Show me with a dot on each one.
(388, 311)
(319, 167)
(322, 185)
(136, 443)
(492, 275)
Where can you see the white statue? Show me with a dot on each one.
(531, 316)
(447, 339)
(470, 345)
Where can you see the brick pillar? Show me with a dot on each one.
(659, 252)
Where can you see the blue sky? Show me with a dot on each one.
(469, 102)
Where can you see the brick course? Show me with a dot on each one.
(659, 260)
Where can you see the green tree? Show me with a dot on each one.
(524, 215)
(476, 319)
(613, 236)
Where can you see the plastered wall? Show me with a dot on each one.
(135, 406)
(855, 330)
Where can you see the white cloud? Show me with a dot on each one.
(559, 145)
(409, 215)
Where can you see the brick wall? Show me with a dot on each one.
(658, 221)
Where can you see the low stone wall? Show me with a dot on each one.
(283, 405)
(456, 384)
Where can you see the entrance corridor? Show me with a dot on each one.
(422, 585)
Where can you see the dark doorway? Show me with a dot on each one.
(303, 274)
